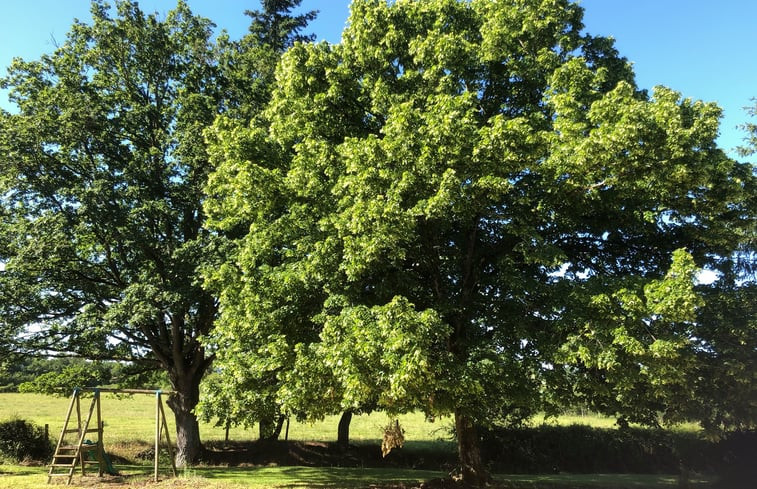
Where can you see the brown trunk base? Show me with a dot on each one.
(472, 470)
(343, 430)
(188, 445)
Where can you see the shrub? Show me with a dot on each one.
(585, 449)
(736, 463)
(23, 440)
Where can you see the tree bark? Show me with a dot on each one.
(188, 444)
(472, 468)
(343, 430)
(270, 428)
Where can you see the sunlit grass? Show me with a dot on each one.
(16, 477)
(130, 423)
(130, 419)
(588, 419)
(600, 421)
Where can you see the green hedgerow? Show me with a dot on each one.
(23, 440)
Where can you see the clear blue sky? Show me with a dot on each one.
(702, 48)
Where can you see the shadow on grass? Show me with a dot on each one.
(355, 477)
(603, 481)
(342, 478)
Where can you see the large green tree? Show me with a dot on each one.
(469, 208)
(102, 171)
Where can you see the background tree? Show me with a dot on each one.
(454, 210)
(250, 64)
(727, 330)
(28, 369)
(103, 168)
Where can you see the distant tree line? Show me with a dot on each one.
(60, 375)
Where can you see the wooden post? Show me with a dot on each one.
(168, 438)
(157, 433)
(100, 447)
(79, 434)
(71, 406)
(83, 427)
(78, 414)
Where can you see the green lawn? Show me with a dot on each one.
(15, 477)
(129, 427)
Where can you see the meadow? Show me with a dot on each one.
(131, 419)
(129, 428)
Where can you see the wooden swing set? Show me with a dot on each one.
(74, 448)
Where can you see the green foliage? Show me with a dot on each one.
(63, 382)
(276, 27)
(249, 63)
(28, 368)
(103, 167)
(751, 132)
(645, 351)
(23, 440)
(469, 208)
(379, 356)
(591, 450)
(725, 385)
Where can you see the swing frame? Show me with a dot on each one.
(161, 427)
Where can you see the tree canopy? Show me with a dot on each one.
(470, 209)
(103, 168)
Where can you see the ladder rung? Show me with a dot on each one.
(76, 453)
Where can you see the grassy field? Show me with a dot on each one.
(129, 427)
(132, 418)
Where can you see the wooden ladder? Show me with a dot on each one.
(69, 453)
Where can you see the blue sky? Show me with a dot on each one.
(701, 48)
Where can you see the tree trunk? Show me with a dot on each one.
(188, 444)
(343, 431)
(270, 429)
(472, 468)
